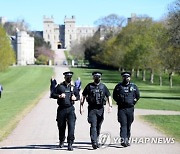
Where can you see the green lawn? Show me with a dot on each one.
(23, 86)
(169, 124)
(153, 97)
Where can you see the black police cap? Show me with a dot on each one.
(68, 73)
(96, 73)
(123, 74)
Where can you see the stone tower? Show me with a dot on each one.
(70, 31)
(51, 32)
(64, 36)
(24, 48)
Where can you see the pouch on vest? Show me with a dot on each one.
(96, 96)
(126, 95)
(67, 100)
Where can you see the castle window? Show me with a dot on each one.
(48, 37)
(70, 37)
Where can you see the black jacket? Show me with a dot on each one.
(126, 95)
(69, 91)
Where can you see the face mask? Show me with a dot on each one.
(97, 80)
(68, 79)
(126, 80)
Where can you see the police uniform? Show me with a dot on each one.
(53, 85)
(65, 111)
(96, 95)
(126, 95)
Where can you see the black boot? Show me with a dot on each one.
(94, 145)
(124, 144)
(70, 147)
(61, 144)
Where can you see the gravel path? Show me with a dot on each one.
(37, 132)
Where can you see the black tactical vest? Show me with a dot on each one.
(65, 102)
(126, 95)
(96, 95)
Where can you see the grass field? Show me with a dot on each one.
(22, 86)
(153, 97)
(169, 124)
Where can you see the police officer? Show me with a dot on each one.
(78, 83)
(96, 94)
(126, 94)
(1, 89)
(66, 94)
(52, 85)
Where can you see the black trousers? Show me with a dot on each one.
(67, 117)
(95, 119)
(0, 94)
(125, 118)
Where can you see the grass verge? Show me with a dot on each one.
(168, 124)
(23, 87)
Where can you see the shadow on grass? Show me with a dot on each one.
(159, 91)
(149, 97)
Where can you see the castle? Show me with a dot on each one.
(23, 45)
(63, 36)
(59, 37)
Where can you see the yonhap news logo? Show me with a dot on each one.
(105, 139)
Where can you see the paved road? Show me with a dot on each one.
(37, 132)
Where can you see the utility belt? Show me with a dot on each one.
(91, 107)
(60, 107)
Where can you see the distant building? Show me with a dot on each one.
(63, 36)
(2, 20)
(134, 18)
(23, 45)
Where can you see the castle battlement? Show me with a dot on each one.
(63, 36)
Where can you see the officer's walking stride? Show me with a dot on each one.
(126, 94)
(66, 94)
(96, 94)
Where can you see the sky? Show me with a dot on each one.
(86, 12)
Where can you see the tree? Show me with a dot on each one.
(110, 25)
(136, 43)
(43, 51)
(174, 23)
(172, 52)
(77, 50)
(92, 47)
(7, 55)
(158, 36)
(19, 25)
